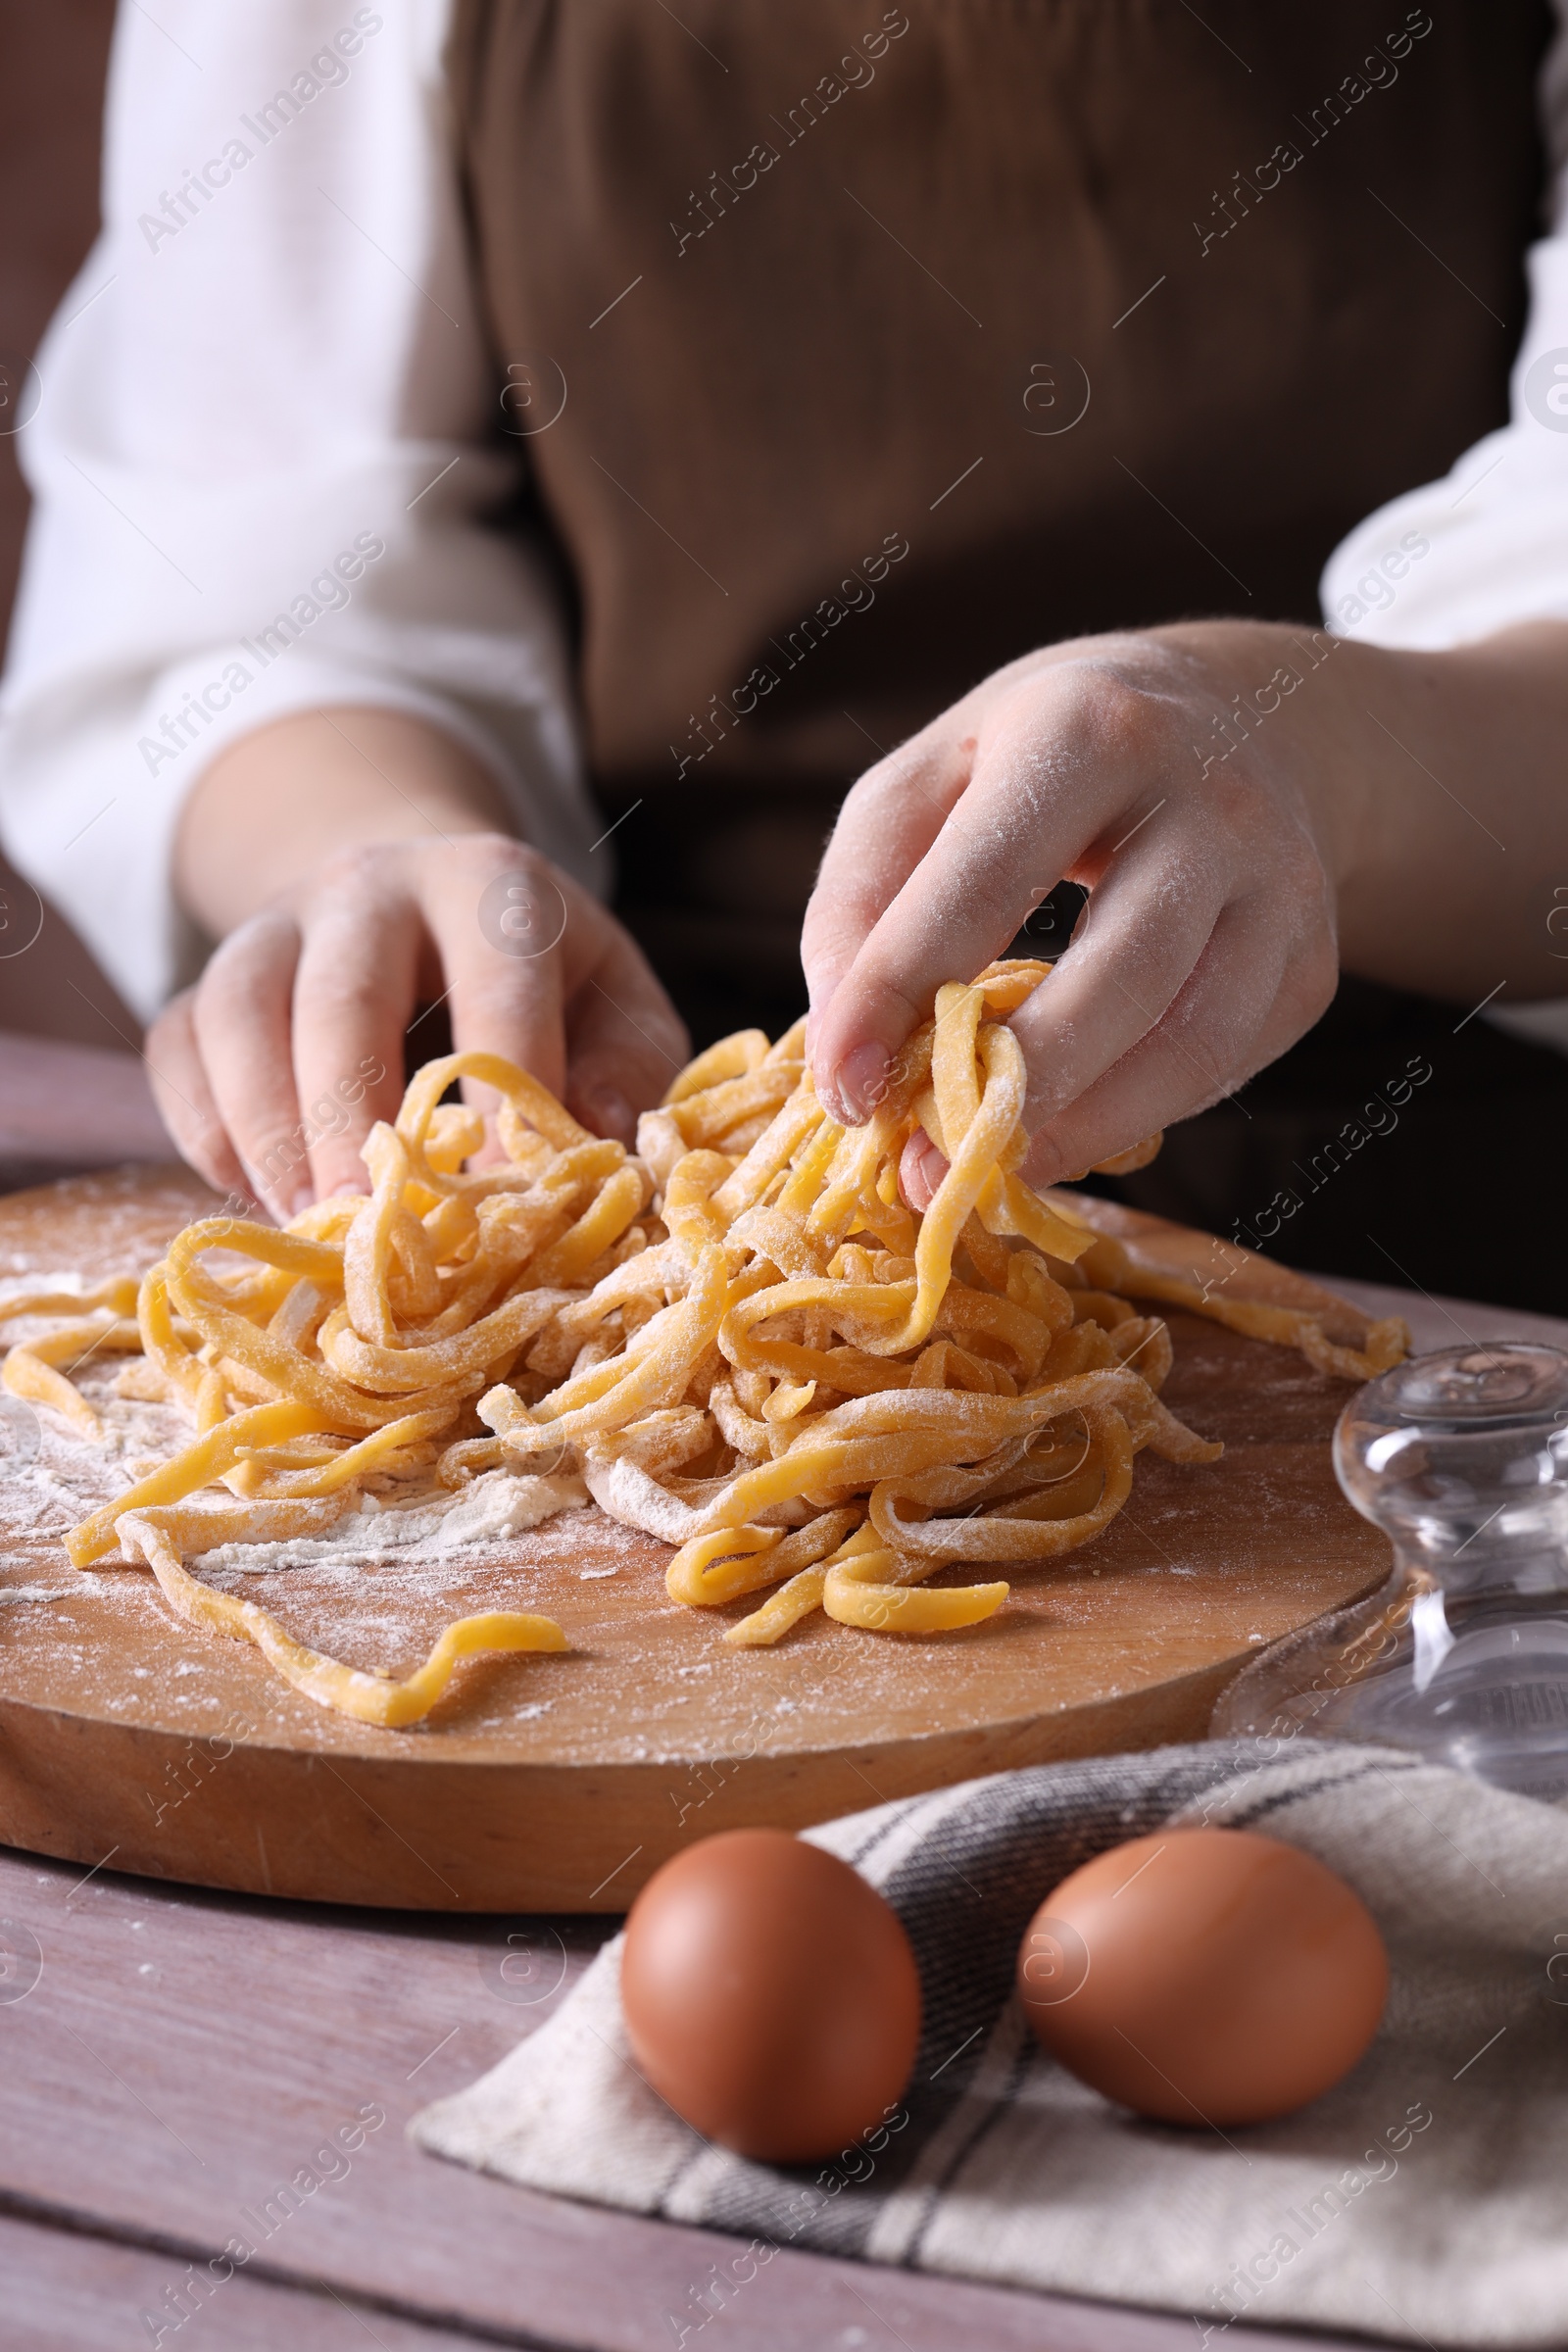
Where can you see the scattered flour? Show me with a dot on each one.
(501, 1503)
(392, 1528)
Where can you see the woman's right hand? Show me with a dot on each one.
(271, 1070)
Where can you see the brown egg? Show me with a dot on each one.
(771, 1996)
(1204, 1976)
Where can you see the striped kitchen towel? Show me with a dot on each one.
(1426, 2198)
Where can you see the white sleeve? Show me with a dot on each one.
(264, 461)
(1488, 545)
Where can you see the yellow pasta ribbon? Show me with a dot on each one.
(198, 1466)
(871, 1590)
(26, 1375)
(367, 1697)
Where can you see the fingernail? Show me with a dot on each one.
(303, 1199)
(611, 1111)
(860, 1082)
(354, 1185)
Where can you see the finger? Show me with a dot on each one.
(1248, 997)
(625, 1040)
(499, 916)
(885, 827)
(921, 1168)
(363, 937)
(1060, 765)
(1139, 935)
(1145, 930)
(242, 1021)
(185, 1101)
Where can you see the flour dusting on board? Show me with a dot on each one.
(65, 1479)
(414, 1527)
(408, 1551)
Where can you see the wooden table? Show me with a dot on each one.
(64, 1108)
(173, 2056)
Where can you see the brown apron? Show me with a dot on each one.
(860, 348)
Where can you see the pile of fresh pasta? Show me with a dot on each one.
(739, 1338)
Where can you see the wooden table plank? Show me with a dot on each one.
(66, 2292)
(64, 1108)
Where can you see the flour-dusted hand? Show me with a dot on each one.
(1249, 805)
(1209, 944)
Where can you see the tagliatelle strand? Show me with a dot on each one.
(713, 1569)
(198, 1466)
(28, 1376)
(367, 1697)
(872, 1590)
(1386, 1344)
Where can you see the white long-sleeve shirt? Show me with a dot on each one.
(262, 465)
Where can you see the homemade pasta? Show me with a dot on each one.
(739, 1338)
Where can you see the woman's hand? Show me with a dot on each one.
(1209, 944)
(1249, 805)
(270, 1072)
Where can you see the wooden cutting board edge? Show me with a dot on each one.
(460, 1834)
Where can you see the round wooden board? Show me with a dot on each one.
(544, 1784)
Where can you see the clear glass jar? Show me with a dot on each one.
(1461, 1458)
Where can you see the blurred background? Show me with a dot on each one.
(52, 992)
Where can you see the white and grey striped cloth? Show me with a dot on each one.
(1426, 2198)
